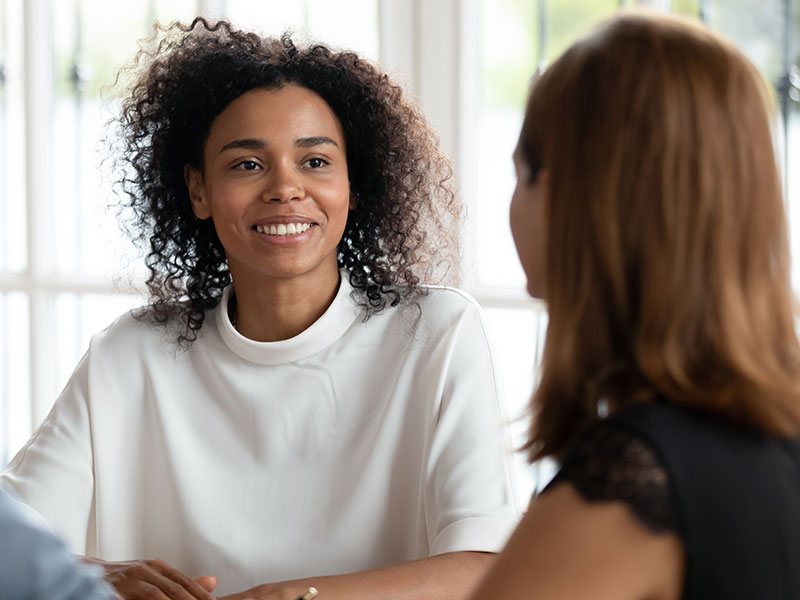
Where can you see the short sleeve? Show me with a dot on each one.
(53, 472)
(470, 498)
(614, 463)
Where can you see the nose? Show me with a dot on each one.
(283, 185)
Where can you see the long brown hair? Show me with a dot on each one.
(667, 252)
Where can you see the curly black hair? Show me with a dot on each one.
(403, 230)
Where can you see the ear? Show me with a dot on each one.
(353, 200)
(197, 192)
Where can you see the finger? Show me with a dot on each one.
(209, 582)
(144, 577)
(139, 590)
(186, 583)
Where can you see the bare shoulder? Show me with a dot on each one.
(568, 548)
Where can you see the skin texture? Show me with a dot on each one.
(528, 218)
(446, 576)
(154, 579)
(276, 155)
(571, 549)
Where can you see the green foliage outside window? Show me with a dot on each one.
(513, 48)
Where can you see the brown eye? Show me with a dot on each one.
(247, 165)
(315, 163)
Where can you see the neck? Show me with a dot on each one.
(282, 308)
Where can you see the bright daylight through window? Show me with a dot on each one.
(65, 269)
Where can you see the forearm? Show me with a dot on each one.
(444, 577)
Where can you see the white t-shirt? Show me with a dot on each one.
(355, 444)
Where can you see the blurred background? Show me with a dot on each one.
(66, 270)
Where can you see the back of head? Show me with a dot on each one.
(667, 258)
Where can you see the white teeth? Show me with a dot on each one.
(281, 229)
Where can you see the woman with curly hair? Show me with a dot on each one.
(294, 406)
(648, 214)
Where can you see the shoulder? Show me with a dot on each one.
(131, 329)
(683, 434)
(721, 474)
(734, 489)
(616, 463)
(441, 313)
(704, 450)
(563, 534)
(660, 415)
(445, 304)
(447, 296)
(136, 331)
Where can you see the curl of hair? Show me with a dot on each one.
(403, 230)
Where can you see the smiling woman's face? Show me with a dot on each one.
(275, 183)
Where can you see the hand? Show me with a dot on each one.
(154, 580)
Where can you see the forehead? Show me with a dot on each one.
(274, 115)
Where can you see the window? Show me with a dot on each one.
(64, 266)
(516, 37)
(66, 270)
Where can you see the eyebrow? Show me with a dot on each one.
(317, 140)
(256, 144)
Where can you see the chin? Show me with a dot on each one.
(535, 289)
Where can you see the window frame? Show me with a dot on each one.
(429, 46)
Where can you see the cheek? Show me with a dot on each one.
(334, 201)
(528, 229)
(520, 226)
(337, 203)
(538, 252)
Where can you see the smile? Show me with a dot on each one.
(283, 229)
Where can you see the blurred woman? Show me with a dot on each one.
(648, 214)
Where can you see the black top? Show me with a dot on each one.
(732, 496)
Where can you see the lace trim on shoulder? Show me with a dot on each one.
(612, 463)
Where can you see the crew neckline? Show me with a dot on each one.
(337, 319)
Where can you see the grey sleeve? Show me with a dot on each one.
(35, 565)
